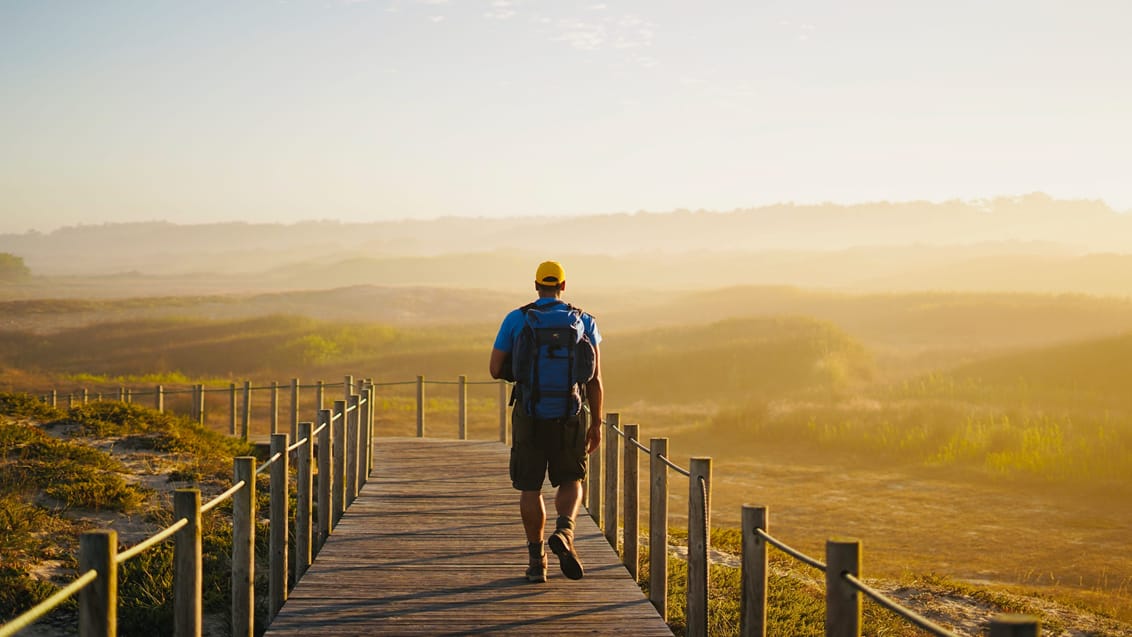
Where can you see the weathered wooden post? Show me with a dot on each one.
(54, 398)
(243, 549)
(371, 390)
(462, 408)
(193, 403)
(188, 569)
(658, 526)
(247, 420)
(304, 456)
(842, 601)
(294, 409)
(129, 395)
(277, 583)
(86, 396)
(273, 415)
(754, 569)
(609, 498)
(319, 395)
(699, 540)
(159, 399)
(502, 411)
(366, 457)
(1010, 625)
(420, 406)
(121, 394)
(98, 602)
(348, 384)
(353, 425)
(593, 494)
(325, 477)
(630, 554)
(232, 409)
(338, 442)
(200, 403)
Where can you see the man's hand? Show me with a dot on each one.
(593, 437)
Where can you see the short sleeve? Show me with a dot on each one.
(511, 325)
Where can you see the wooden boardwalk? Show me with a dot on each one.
(434, 546)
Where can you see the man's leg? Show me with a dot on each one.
(568, 499)
(534, 521)
(534, 515)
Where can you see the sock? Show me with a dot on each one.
(535, 549)
(564, 524)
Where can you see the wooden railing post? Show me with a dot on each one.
(593, 493)
(86, 396)
(247, 419)
(200, 403)
(294, 409)
(193, 402)
(129, 396)
(631, 495)
(121, 394)
(188, 569)
(842, 601)
(372, 425)
(98, 602)
(55, 398)
(273, 415)
(609, 498)
(304, 456)
(319, 395)
(462, 408)
(243, 549)
(753, 572)
(658, 526)
(338, 462)
(699, 540)
(353, 433)
(232, 409)
(325, 478)
(348, 386)
(159, 398)
(277, 583)
(420, 407)
(1010, 625)
(366, 462)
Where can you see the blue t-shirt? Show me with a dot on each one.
(514, 321)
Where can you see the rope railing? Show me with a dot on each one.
(844, 589)
(306, 536)
(789, 550)
(267, 465)
(218, 500)
(37, 612)
(914, 618)
(153, 540)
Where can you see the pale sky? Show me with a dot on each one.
(361, 110)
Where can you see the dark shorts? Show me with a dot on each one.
(539, 447)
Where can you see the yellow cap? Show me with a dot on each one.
(550, 273)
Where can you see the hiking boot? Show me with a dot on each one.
(536, 567)
(562, 543)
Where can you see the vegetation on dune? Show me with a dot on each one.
(49, 482)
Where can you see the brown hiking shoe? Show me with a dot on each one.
(536, 569)
(562, 543)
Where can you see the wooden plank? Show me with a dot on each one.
(434, 546)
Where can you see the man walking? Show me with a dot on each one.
(550, 349)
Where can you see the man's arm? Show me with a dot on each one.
(595, 398)
(498, 357)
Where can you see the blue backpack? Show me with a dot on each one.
(552, 359)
